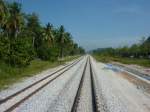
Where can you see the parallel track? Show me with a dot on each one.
(11, 108)
(78, 94)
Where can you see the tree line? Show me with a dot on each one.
(23, 38)
(139, 50)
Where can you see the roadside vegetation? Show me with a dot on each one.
(27, 46)
(9, 75)
(136, 54)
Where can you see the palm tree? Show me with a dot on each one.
(48, 34)
(61, 39)
(13, 24)
(33, 27)
(69, 44)
(15, 20)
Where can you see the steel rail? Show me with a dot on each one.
(76, 100)
(93, 90)
(94, 94)
(33, 84)
(11, 108)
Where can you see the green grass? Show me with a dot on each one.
(108, 59)
(10, 75)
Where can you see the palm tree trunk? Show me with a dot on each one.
(61, 52)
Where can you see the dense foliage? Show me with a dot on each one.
(140, 50)
(23, 38)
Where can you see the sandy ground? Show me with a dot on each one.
(140, 69)
(120, 94)
(139, 84)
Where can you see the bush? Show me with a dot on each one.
(17, 52)
(47, 53)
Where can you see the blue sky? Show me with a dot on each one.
(96, 23)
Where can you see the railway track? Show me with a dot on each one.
(93, 90)
(33, 88)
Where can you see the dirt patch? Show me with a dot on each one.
(136, 68)
(140, 84)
